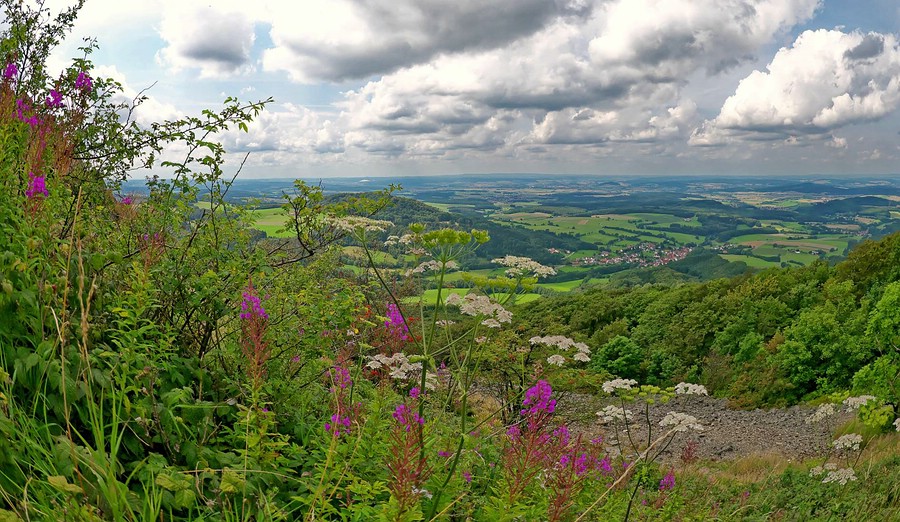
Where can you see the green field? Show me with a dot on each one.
(269, 220)
(608, 231)
(565, 286)
(751, 261)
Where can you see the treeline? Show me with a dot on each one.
(505, 240)
(771, 338)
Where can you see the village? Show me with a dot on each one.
(642, 255)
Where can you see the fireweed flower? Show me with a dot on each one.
(10, 71)
(406, 417)
(83, 82)
(254, 321)
(54, 100)
(252, 307)
(37, 186)
(537, 399)
(395, 324)
(667, 482)
(24, 113)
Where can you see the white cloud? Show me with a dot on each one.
(150, 110)
(827, 80)
(335, 40)
(217, 40)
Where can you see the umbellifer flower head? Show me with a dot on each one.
(680, 422)
(618, 384)
(850, 441)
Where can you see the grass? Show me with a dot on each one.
(565, 286)
(751, 261)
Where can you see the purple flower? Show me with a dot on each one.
(467, 476)
(582, 464)
(36, 185)
(395, 323)
(537, 399)
(252, 307)
(83, 82)
(443, 453)
(605, 465)
(340, 377)
(127, 200)
(339, 425)
(54, 100)
(414, 393)
(10, 71)
(22, 110)
(404, 415)
(667, 482)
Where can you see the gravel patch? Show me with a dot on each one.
(728, 433)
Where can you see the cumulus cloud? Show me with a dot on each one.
(152, 109)
(607, 73)
(336, 40)
(826, 80)
(215, 39)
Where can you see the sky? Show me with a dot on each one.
(607, 87)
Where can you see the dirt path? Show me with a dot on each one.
(728, 434)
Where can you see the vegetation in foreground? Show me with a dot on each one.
(160, 365)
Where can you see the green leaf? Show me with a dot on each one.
(61, 484)
(231, 482)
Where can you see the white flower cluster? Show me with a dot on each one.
(850, 441)
(833, 474)
(823, 411)
(680, 422)
(819, 470)
(434, 266)
(556, 360)
(618, 384)
(399, 368)
(841, 476)
(855, 403)
(473, 304)
(519, 266)
(353, 223)
(582, 354)
(405, 239)
(614, 413)
(686, 388)
(444, 322)
(897, 424)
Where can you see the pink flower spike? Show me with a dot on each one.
(83, 82)
(54, 100)
(10, 71)
(36, 186)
